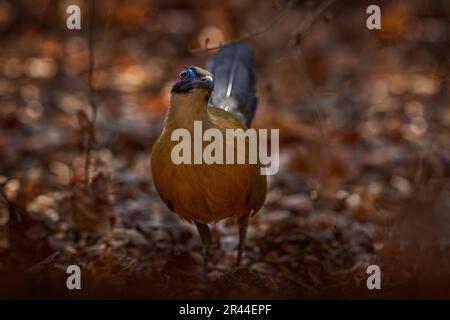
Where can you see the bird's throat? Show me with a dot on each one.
(186, 108)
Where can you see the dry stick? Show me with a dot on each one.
(107, 28)
(44, 262)
(317, 114)
(309, 20)
(90, 142)
(249, 35)
(297, 54)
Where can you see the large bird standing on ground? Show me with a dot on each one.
(205, 193)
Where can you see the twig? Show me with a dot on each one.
(102, 43)
(90, 142)
(309, 21)
(297, 55)
(107, 28)
(44, 262)
(249, 35)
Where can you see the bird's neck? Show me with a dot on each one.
(186, 108)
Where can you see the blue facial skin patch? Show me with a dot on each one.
(192, 73)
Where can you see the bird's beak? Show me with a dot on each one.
(205, 82)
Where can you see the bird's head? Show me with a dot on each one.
(192, 79)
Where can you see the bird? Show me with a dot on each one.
(221, 98)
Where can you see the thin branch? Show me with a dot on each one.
(297, 55)
(249, 35)
(44, 262)
(309, 21)
(107, 28)
(101, 65)
(92, 61)
(90, 142)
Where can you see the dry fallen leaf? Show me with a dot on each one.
(91, 210)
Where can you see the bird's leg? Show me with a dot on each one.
(243, 224)
(205, 237)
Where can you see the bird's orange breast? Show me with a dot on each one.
(200, 192)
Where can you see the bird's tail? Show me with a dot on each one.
(234, 81)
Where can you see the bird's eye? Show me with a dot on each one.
(183, 74)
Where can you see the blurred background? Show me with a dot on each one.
(364, 124)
